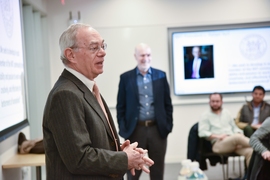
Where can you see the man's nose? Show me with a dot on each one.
(145, 58)
(102, 52)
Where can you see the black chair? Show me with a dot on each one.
(205, 150)
(193, 150)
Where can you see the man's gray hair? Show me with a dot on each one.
(68, 39)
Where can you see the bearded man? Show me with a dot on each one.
(218, 126)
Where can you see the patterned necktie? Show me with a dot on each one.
(97, 94)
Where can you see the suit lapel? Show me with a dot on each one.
(154, 81)
(133, 83)
(90, 99)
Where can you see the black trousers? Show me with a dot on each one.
(149, 138)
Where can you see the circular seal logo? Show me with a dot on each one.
(7, 15)
(253, 46)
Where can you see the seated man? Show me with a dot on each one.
(253, 113)
(218, 126)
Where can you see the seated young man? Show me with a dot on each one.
(253, 113)
(218, 126)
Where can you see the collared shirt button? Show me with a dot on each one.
(145, 87)
(146, 96)
(146, 104)
(147, 113)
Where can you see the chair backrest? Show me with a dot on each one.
(193, 143)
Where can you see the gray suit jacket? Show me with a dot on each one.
(77, 139)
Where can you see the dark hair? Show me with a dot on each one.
(215, 94)
(259, 88)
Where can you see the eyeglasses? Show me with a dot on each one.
(93, 47)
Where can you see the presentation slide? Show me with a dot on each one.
(226, 61)
(12, 88)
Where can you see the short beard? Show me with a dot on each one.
(216, 109)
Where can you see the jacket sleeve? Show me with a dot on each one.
(235, 128)
(238, 122)
(168, 105)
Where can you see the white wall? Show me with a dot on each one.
(125, 23)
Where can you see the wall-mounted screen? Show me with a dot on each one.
(12, 76)
(222, 58)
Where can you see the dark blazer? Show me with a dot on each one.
(128, 103)
(206, 69)
(77, 140)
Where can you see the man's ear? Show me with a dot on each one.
(69, 55)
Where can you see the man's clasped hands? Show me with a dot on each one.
(136, 157)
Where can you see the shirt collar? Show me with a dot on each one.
(89, 83)
(257, 106)
(149, 71)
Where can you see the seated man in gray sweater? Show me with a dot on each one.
(218, 126)
(260, 141)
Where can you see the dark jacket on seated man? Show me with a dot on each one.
(246, 115)
(260, 161)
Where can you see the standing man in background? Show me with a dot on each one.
(253, 113)
(144, 110)
(80, 138)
